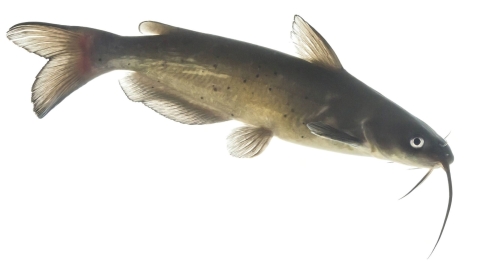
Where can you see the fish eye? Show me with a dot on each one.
(416, 142)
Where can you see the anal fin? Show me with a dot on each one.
(248, 141)
(141, 88)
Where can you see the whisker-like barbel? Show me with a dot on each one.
(445, 138)
(419, 183)
(446, 167)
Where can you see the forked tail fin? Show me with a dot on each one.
(70, 65)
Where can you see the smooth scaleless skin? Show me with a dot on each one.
(266, 88)
(255, 85)
(197, 78)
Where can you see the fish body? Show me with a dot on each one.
(252, 84)
(195, 78)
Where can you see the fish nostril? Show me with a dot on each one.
(449, 157)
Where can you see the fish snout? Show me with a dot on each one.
(449, 157)
(445, 154)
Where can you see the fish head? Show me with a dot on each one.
(403, 138)
(408, 140)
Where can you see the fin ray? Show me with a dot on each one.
(312, 47)
(64, 72)
(141, 88)
(248, 141)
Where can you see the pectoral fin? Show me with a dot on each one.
(141, 88)
(326, 131)
(248, 141)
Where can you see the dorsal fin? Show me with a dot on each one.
(156, 28)
(311, 46)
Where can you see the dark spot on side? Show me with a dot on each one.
(232, 114)
(303, 137)
(293, 110)
(269, 89)
(306, 97)
(244, 80)
(201, 97)
(158, 81)
(128, 63)
(257, 75)
(303, 123)
(285, 115)
(152, 86)
(252, 93)
(100, 60)
(228, 87)
(215, 66)
(215, 89)
(203, 71)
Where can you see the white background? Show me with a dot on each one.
(103, 179)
